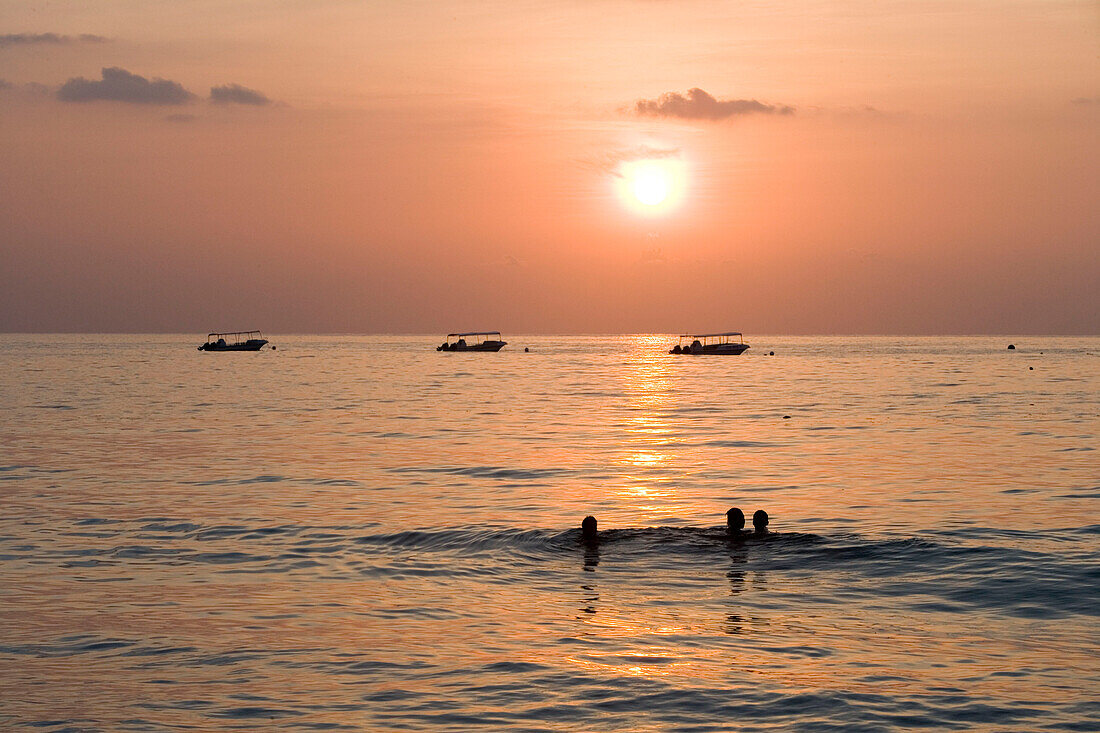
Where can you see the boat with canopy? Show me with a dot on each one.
(473, 341)
(234, 341)
(730, 343)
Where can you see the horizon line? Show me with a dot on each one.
(566, 333)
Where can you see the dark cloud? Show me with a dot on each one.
(119, 85)
(27, 39)
(236, 94)
(698, 105)
(1087, 100)
(5, 84)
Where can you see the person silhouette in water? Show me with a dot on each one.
(735, 522)
(760, 522)
(589, 535)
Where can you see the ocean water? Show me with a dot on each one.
(361, 533)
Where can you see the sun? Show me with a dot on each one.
(651, 186)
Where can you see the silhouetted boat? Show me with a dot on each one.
(481, 341)
(711, 343)
(234, 341)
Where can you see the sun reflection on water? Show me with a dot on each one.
(648, 384)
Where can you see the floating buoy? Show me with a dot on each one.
(786, 417)
(526, 350)
(1031, 369)
(1012, 347)
(771, 353)
(273, 347)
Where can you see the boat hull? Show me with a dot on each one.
(721, 350)
(715, 350)
(487, 346)
(253, 345)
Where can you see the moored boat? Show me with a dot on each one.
(473, 341)
(234, 341)
(711, 343)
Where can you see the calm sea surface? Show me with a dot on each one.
(360, 533)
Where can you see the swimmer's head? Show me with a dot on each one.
(735, 520)
(588, 528)
(760, 520)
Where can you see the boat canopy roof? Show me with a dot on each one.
(233, 333)
(475, 333)
(710, 335)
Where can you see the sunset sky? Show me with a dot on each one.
(867, 166)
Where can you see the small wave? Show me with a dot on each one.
(469, 540)
(493, 472)
(246, 713)
(936, 572)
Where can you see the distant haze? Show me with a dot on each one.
(322, 166)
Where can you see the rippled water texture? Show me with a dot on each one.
(364, 534)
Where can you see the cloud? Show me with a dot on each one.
(502, 260)
(38, 88)
(119, 85)
(610, 161)
(27, 89)
(1086, 100)
(642, 152)
(181, 118)
(27, 39)
(698, 105)
(236, 94)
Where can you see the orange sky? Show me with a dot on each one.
(848, 167)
